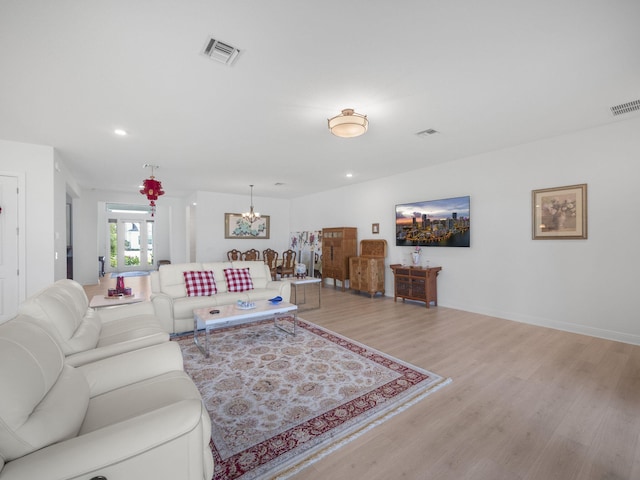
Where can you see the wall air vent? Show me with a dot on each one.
(220, 51)
(427, 133)
(628, 107)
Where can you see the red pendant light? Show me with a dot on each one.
(151, 188)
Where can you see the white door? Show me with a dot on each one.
(9, 280)
(131, 244)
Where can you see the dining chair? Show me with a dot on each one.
(234, 255)
(271, 259)
(288, 266)
(251, 255)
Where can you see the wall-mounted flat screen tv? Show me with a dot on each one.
(434, 223)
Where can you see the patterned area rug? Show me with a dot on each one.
(279, 402)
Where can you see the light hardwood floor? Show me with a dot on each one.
(526, 402)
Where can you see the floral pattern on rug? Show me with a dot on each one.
(274, 399)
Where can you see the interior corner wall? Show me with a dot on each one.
(585, 286)
(209, 230)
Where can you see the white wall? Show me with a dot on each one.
(587, 286)
(210, 244)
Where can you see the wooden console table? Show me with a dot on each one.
(415, 283)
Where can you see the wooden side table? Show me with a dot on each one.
(415, 283)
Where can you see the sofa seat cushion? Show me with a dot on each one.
(184, 307)
(142, 329)
(200, 283)
(137, 399)
(262, 294)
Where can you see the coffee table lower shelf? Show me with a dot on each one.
(229, 315)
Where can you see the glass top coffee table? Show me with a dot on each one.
(212, 318)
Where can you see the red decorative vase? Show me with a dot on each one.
(120, 285)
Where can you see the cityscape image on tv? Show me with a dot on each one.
(434, 223)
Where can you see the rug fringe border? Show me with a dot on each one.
(321, 452)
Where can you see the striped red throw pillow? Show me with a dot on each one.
(238, 279)
(200, 284)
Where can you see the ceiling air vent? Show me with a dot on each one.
(628, 107)
(427, 133)
(220, 51)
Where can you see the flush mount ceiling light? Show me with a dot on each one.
(348, 124)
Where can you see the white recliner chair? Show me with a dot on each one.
(86, 335)
(122, 418)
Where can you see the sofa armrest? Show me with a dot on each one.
(283, 288)
(111, 449)
(131, 367)
(124, 311)
(155, 336)
(163, 310)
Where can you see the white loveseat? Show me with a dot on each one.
(174, 309)
(128, 416)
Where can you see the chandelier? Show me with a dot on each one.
(251, 216)
(151, 188)
(348, 124)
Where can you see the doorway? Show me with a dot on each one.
(131, 244)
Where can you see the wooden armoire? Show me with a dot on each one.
(366, 272)
(338, 244)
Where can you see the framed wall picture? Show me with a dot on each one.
(560, 213)
(237, 227)
(375, 228)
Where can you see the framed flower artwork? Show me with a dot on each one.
(559, 213)
(235, 226)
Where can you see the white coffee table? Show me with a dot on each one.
(228, 315)
(100, 301)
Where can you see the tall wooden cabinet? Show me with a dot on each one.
(338, 244)
(366, 272)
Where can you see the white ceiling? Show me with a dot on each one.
(484, 74)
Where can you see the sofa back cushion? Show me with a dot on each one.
(218, 273)
(238, 279)
(200, 283)
(62, 310)
(171, 278)
(260, 273)
(43, 400)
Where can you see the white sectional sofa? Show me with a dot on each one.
(128, 416)
(86, 335)
(174, 307)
